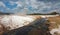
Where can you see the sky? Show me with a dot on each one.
(29, 6)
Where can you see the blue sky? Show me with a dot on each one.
(29, 6)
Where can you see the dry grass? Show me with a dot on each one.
(54, 22)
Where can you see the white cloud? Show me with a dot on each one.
(20, 4)
(40, 6)
(37, 5)
(2, 4)
(12, 3)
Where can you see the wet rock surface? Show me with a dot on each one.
(38, 27)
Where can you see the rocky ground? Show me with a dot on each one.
(41, 26)
(54, 25)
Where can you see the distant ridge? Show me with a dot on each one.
(1, 13)
(53, 13)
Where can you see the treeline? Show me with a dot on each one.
(53, 13)
(1, 13)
